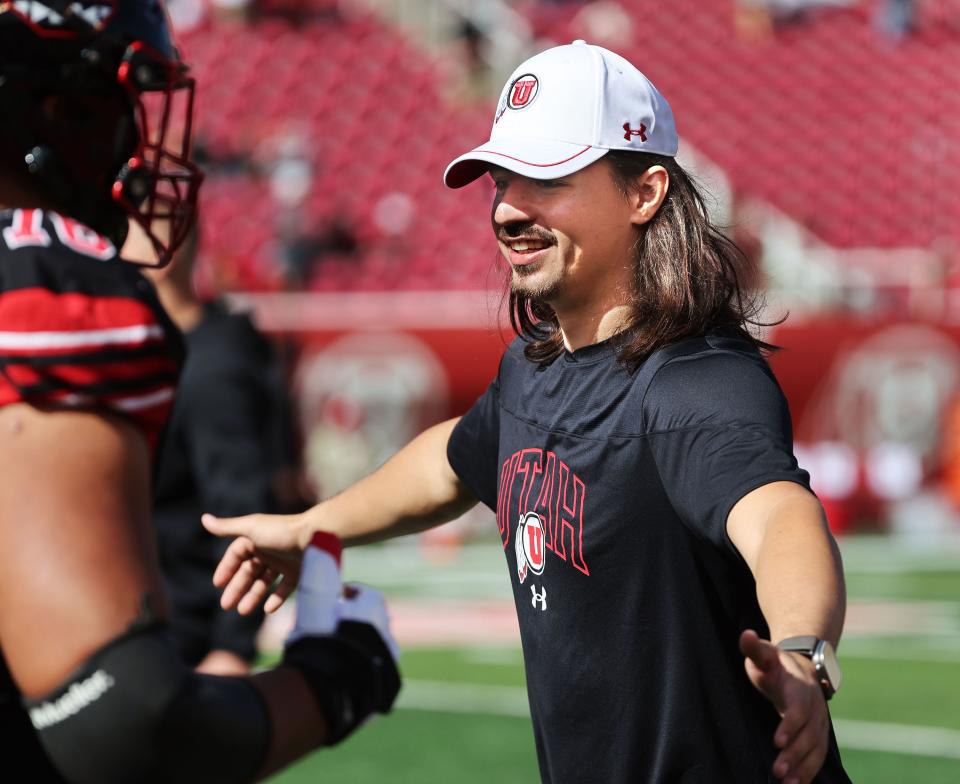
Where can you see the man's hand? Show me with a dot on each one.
(789, 681)
(267, 547)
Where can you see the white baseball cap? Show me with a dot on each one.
(565, 108)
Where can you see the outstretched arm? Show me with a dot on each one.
(413, 491)
(782, 534)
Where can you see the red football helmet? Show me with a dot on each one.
(128, 155)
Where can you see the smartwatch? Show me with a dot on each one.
(824, 659)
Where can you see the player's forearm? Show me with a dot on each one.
(798, 571)
(413, 491)
(297, 725)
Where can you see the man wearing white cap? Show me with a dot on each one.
(637, 450)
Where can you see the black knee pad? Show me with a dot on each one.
(134, 712)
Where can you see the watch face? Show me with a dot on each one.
(826, 658)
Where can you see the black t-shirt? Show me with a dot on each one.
(219, 456)
(612, 491)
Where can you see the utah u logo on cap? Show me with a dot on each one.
(523, 91)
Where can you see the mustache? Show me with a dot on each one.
(523, 231)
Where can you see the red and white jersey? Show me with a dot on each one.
(79, 327)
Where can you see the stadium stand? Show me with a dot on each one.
(372, 109)
(852, 136)
(826, 120)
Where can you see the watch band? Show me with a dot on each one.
(805, 644)
(824, 659)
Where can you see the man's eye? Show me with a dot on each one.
(550, 183)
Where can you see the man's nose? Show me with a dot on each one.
(511, 207)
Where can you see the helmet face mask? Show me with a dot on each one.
(113, 56)
(158, 185)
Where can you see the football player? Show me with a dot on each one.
(96, 107)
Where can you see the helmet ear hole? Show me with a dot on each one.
(135, 183)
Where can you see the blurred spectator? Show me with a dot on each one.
(185, 15)
(286, 159)
(483, 37)
(756, 18)
(752, 20)
(231, 11)
(476, 83)
(394, 215)
(896, 19)
(605, 22)
(225, 447)
(303, 251)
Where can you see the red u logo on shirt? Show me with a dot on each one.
(542, 493)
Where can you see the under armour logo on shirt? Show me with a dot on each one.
(539, 598)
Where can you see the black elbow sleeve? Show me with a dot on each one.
(134, 712)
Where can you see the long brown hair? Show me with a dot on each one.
(687, 276)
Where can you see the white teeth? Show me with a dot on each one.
(522, 246)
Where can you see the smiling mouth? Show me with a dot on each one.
(526, 246)
(526, 255)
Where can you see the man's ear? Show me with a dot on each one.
(648, 194)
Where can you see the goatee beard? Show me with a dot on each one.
(520, 284)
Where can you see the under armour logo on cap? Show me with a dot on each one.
(641, 131)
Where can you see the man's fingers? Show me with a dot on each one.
(804, 757)
(805, 748)
(281, 593)
(793, 722)
(257, 592)
(240, 583)
(809, 766)
(238, 553)
(799, 742)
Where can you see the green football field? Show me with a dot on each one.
(463, 717)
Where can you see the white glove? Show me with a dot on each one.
(367, 605)
(320, 589)
(322, 602)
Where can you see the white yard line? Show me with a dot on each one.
(452, 697)
(939, 649)
(892, 555)
(898, 738)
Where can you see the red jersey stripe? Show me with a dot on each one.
(34, 305)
